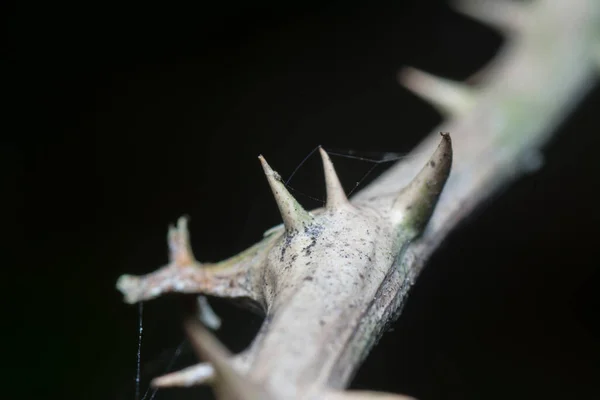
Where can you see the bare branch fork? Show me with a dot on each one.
(329, 280)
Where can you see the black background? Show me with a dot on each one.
(124, 117)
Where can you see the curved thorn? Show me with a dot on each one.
(292, 213)
(448, 97)
(336, 196)
(503, 15)
(415, 203)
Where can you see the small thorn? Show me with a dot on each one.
(505, 16)
(448, 97)
(415, 203)
(292, 213)
(336, 196)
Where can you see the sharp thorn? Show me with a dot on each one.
(336, 196)
(294, 216)
(415, 203)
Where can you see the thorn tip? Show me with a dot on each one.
(292, 213)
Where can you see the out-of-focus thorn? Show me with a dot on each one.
(448, 97)
(198, 374)
(228, 383)
(336, 197)
(294, 216)
(363, 395)
(506, 16)
(207, 315)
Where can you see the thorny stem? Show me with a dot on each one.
(539, 77)
(498, 128)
